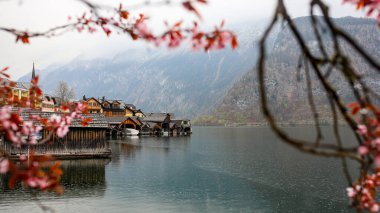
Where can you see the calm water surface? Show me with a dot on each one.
(215, 170)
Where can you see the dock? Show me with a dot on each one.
(81, 141)
(152, 124)
(91, 141)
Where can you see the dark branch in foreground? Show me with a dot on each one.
(321, 65)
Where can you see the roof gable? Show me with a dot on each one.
(130, 106)
(92, 99)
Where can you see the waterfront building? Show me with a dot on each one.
(112, 108)
(20, 94)
(47, 104)
(93, 105)
(81, 141)
(130, 110)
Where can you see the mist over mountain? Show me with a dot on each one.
(182, 81)
(286, 88)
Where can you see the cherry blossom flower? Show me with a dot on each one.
(363, 150)
(362, 129)
(4, 166)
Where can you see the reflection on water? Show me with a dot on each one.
(84, 177)
(81, 178)
(127, 147)
(214, 170)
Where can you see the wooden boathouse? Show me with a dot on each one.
(153, 124)
(124, 117)
(118, 125)
(165, 124)
(81, 142)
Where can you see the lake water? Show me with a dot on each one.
(215, 170)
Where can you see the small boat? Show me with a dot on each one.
(131, 132)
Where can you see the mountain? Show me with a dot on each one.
(181, 81)
(286, 86)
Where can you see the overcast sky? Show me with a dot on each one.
(40, 15)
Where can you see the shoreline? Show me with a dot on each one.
(265, 125)
(69, 156)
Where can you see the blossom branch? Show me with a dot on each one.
(362, 116)
(122, 22)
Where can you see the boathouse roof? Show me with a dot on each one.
(115, 120)
(171, 125)
(121, 119)
(113, 109)
(154, 119)
(149, 124)
(180, 119)
(131, 106)
(159, 114)
(97, 120)
(157, 117)
(136, 119)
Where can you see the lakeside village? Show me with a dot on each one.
(109, 118)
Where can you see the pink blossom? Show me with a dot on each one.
(33, 139)
(363, 150)
(91, 29)
(32, 182)
(4, 166)
(351, 192)
(158, 41)
(35, 182)
(27, 127)
(80, 107)
(35, 117)
(142, 30)
(22, 157)
(377, 161)
(73, 114)
(6, 124)
(5, 113)
(62, 131)
(14, 127)
(225, 37)
(362, 129)
(69, 120)
(376, 143)
(362, 192)
(370, 183)
(174, 42)
(13, 137)
(357, 187)
(43, 183)
(38, 128)
(375, 208)
(55, 119)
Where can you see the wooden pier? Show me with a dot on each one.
(91, 141)
(80, 142)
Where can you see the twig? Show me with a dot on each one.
(312, 104)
